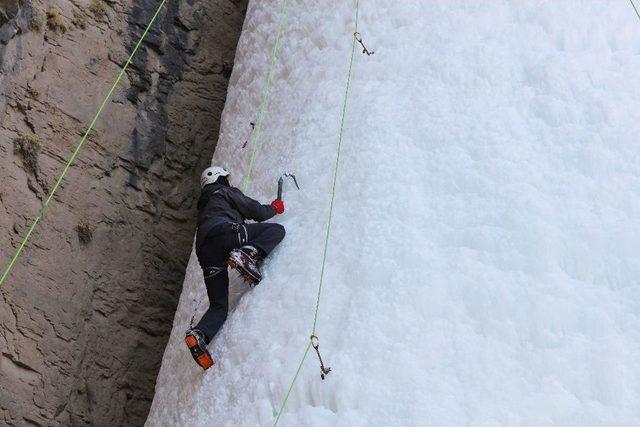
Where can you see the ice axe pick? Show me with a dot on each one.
(281, 182)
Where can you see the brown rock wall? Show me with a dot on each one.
(85, 314)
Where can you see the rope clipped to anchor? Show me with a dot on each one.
(316, 346)
(314, 341)
(265, 97)
(358, 37)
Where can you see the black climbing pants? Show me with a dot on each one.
(213, 255)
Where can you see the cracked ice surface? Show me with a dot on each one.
(484, 265)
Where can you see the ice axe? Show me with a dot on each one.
(281, 182)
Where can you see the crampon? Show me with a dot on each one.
(245, 262)
(198, 349)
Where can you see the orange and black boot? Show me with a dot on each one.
(198, 348)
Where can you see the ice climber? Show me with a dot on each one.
(224, 239)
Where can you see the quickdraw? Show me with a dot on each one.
(316, 346)
(358, 37)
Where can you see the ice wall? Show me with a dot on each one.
(483, 268)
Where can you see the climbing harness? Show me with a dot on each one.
(316, 346)
(281, 182)
(358, 37)
(314, 341)
(75, 152)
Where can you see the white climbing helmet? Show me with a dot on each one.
(211, 174)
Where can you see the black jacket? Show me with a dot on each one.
(220, 204)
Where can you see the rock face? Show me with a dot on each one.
(86, 312)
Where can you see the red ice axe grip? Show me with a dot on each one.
(278, 205)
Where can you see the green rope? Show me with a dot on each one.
(328, 233)
(295, 377)
(634, 8)
(265, 96)
(77, 149)
(335, 175)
